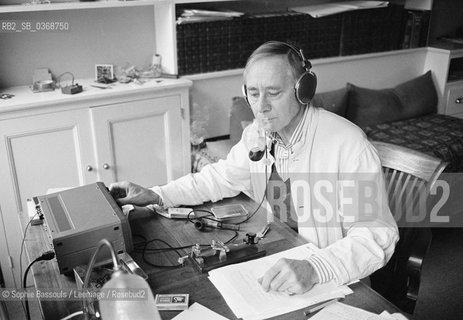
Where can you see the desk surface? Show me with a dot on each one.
(146, 225)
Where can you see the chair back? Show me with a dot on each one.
(409, 173)
(409, 177)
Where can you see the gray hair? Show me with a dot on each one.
(277, 48)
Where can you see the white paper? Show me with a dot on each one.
(341, 311)
(244, 295)
(394, 316)
(198, 312)
(322, 10)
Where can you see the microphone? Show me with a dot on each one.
(256, 154)
(261, 142)
(201, 223)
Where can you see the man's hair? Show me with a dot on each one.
(276, 48)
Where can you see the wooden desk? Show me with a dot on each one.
(185, 279)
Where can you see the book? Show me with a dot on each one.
(416, 32)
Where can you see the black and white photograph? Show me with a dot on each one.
(104, 73)
(231, 159)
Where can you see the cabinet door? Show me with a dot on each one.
(454, 96)
(38, 153)
(140, 141)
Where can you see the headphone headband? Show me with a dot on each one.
(298, 51)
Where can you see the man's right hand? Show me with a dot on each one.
(130, 193)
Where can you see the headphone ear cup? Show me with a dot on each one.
(305, 87)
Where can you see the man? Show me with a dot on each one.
(310, 150)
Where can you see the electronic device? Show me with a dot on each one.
(306, 85)
(220, 254)
(43, 86)
(42, 81)
(77, 219)
(175, 213)
(72, 89)
(229, 211)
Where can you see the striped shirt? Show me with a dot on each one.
(283, 151)
(282, 155)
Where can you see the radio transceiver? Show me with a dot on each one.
(77, 219)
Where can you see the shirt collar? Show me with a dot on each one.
(297, 134)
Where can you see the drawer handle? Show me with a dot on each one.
(459, 100)
(89, 168)
(106, 166)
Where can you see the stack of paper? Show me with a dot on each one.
(341, 311)
(239, 286)
(326, 9)
(195, 15)
(198, 311)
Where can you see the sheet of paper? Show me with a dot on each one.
(341, 311)
(394, 316)
(239, 286)
(322, 10)
(198, 312)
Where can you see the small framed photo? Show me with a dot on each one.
(104, 73)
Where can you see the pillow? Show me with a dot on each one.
(240, 112)
(418, 95)
(334, 101)
(410, 99)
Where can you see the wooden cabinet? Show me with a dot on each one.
(36, 153)
(51, 140)
(453, 94)
(454, 99)
(445, 59)
(139, 141)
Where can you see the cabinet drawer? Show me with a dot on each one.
(454, 100)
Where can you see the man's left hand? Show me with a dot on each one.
(289, 276)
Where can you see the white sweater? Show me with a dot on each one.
(356, 235)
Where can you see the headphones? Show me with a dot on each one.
(305, 86)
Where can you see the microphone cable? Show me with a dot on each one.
(48, 255)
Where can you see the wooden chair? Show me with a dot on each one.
(409, 176)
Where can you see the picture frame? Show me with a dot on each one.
(104, 73)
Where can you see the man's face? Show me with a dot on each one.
(270, 91)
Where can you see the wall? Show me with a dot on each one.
(376, 71)
(110, 35)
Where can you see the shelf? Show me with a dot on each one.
(77, 5)
(24, 99)
(73, 5)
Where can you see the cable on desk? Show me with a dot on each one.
(21, 254)
(72, 315)
(156, 265)
(232, 238)
(48, 255)
(261, 201)
(144, 249)
(139, 236)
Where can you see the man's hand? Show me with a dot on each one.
(130, 193)
(289, 276)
